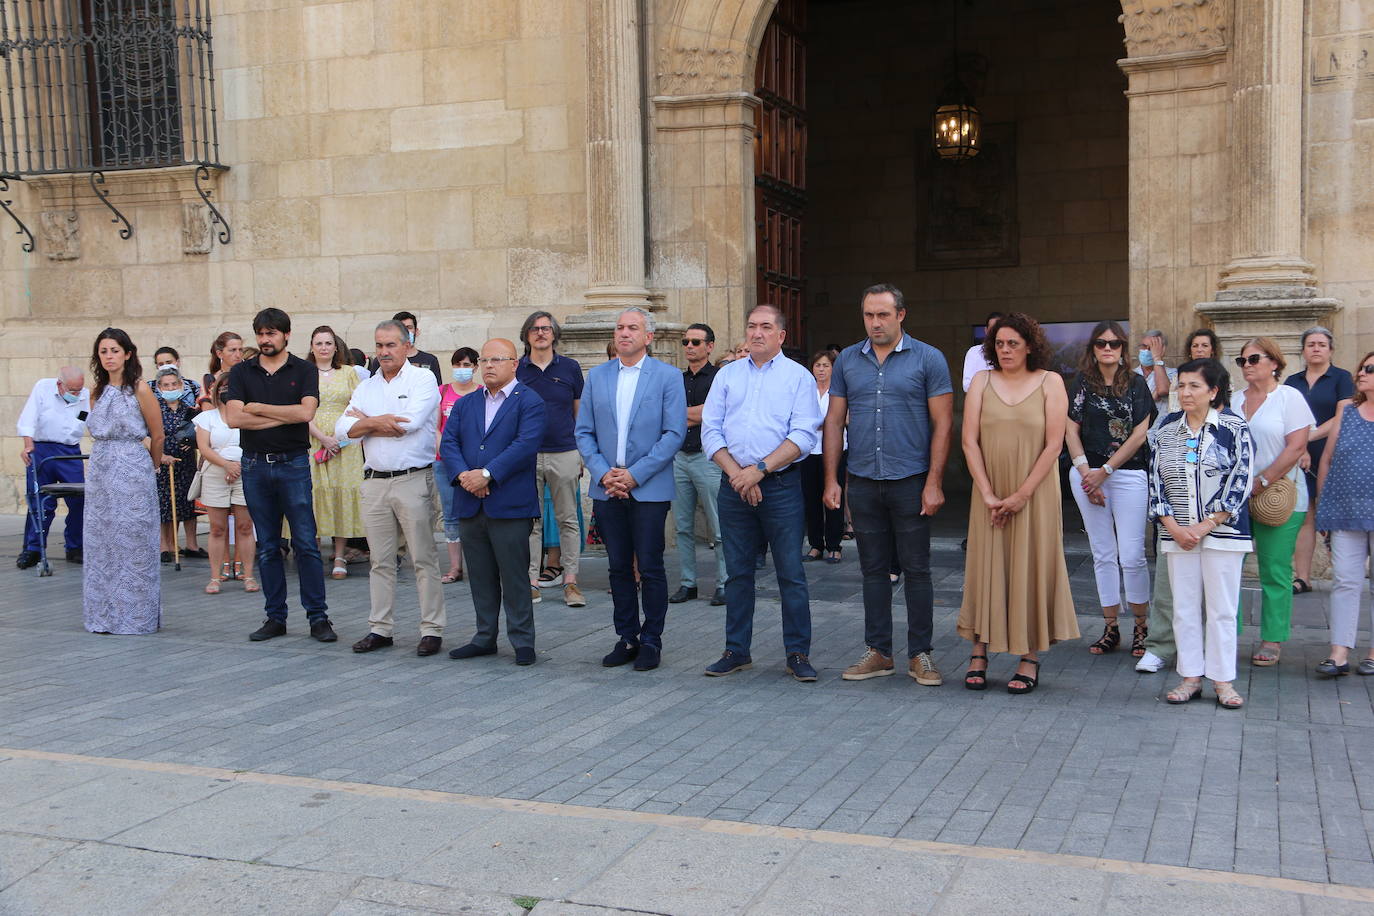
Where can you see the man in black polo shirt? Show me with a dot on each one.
(272, 399)
(696, 477)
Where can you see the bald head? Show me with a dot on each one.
(71, 379)
(497, 363)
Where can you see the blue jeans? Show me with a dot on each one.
(778, 521)
(446, 497)
(275, 491)
(633, 530)
(698, 480)
(893, 534)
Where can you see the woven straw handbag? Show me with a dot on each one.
(1275, 503)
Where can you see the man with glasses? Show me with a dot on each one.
(558, 380)
(488, 452)
(696, 479)
(633, 425)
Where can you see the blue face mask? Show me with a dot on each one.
(462, 374)
(410, 338)
(173, 395)
(70, 398)
(1146, 358)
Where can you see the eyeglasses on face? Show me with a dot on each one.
(542, 329)
(1251, 360)
(493, 360)
(1103, 343)
(694, 342)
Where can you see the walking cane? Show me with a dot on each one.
(172, 497)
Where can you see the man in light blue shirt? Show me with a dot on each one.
(897, 396)
(631, 423)
(758, 421)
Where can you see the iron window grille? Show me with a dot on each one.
(101, 85)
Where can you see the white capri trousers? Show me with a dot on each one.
(1349, 552)
(1198, 576)
(1116, 532)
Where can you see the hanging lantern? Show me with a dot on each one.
(957, 125)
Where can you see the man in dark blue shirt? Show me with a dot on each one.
(897, 394)
(558, 380)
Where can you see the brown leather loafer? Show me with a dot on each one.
(372, 641)
(428, 645)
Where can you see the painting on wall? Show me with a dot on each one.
(966, 210)
(1067, 340)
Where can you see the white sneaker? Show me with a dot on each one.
(1150, 663)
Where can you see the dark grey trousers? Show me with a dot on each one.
(497, 555)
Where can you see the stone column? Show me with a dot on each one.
(615, 177)
(1268, 288)
(1266, 146)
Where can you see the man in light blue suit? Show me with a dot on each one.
(631, 423)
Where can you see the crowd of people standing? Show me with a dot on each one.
(287, 454)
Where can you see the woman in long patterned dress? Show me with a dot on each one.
(121, 580)
(178, 460)
(1016, 587)
(337, 471)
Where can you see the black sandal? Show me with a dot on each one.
(1142, 630)
(974, 672)
(1109, 640)
(1026, 682)
(1301, 586)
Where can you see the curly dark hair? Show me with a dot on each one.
(1038, 352)
(133, 370)
(1091, 372)
(1210, 336)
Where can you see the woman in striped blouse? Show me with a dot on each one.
(1201, 462)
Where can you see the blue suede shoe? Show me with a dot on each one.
(728, 663)
(648, 658)
(799, 666)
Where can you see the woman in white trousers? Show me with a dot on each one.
(1201, 464)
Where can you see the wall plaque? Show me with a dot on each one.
(1338, 58)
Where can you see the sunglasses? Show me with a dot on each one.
(688, 342)
(1252, 360)
(1367, 369)
(1102, 343)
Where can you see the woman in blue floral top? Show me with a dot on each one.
(1109, 414)
(1201, 464)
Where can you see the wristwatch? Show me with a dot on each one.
(763, 468)
(486, 474)
(1107, 469)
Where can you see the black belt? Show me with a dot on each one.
(369, 474)
(274, 457)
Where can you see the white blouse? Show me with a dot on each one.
(223, 438)
(1283, 411)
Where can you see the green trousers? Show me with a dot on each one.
(1274, 549)
(1161, 638)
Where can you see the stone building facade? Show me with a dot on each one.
(1176, 163)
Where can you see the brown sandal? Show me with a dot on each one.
(1109, 640)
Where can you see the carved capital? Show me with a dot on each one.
(61, 241)
(1169, 26)
(699, 71)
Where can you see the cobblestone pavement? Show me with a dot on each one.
(1094, 763)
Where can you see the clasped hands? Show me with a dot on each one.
(1092, 481)
(745, 481)
(475, 482)
(1001, 510)
(618, 482)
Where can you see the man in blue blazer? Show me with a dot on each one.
(488, 452)
(631, 423)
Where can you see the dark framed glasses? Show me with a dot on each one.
(1251, 360)
(1102, 343)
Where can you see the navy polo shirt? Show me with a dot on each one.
(1333, 386)
(559, 385)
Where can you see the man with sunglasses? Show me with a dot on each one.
(695, 476)
(558, 380)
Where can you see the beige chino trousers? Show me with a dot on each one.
(560, 470)
(393, 508)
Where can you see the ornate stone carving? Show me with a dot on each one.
(1172, 26)
(197, 227)
(698, 71)
(61, 241)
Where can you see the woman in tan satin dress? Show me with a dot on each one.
(1016, 587)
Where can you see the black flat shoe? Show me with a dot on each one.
(29, 558)
(623, 653)
(683, 593)
(811, 555)
(1301, 586)
(1329, 668)
(1023, 683)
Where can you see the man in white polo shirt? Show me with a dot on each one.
(395, 413)
(52, 423)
